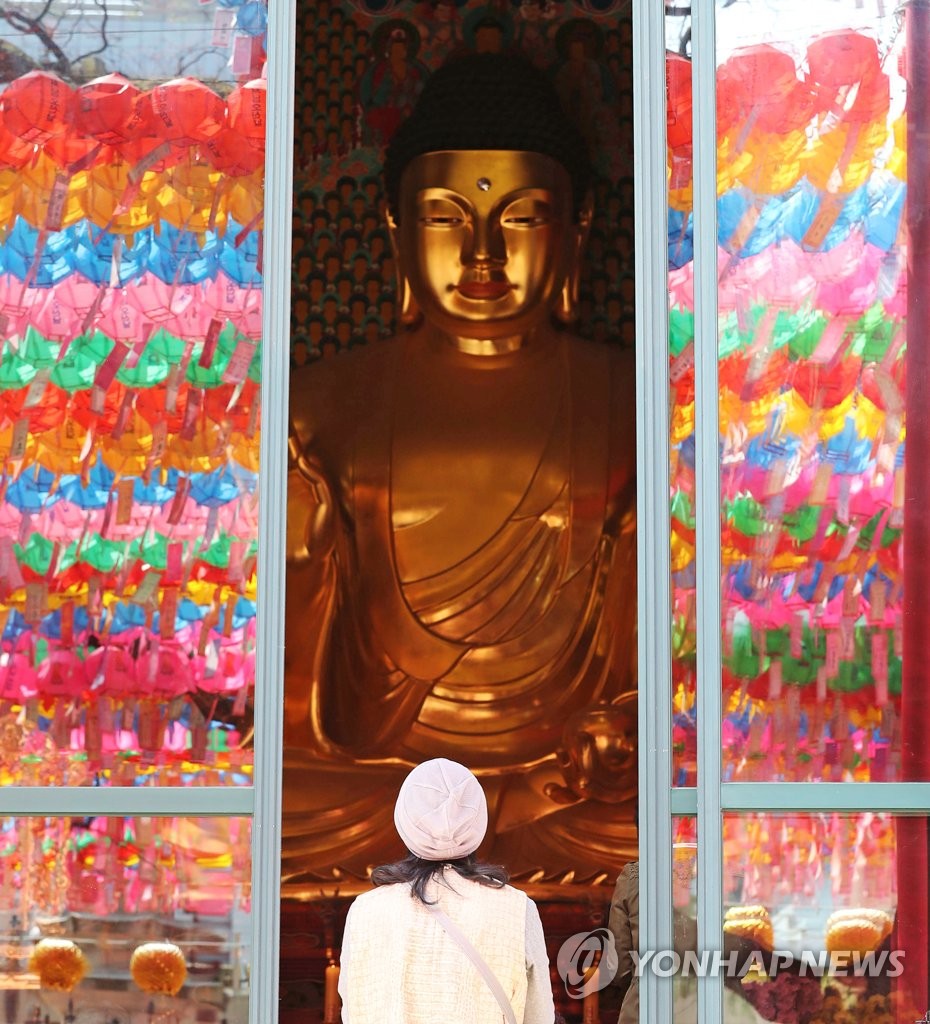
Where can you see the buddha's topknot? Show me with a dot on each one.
(488, 101)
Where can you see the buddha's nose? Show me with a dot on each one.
(486, 242)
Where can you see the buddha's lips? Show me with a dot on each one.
(483, 289)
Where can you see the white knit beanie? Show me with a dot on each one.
(441, 811)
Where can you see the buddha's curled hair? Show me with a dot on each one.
(488, 101)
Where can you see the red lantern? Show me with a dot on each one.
(228, 154)
(678, 100)
(846, 77)
(826, 385)
(758, 87)
(13, 151)
(245, 108)
(106, 110)
(37, 107)
(186, 112)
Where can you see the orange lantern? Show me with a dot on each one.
(158, 968)
(129, 454)
(39, 182)
(9, 197)
(59, 964)
(190, 198)
(105, 198)
(246, 198)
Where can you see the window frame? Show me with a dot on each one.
(261, 802)
(711, 797)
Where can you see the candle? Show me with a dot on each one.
(591, 1012)
(331, 995)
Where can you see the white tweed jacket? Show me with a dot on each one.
(399, 966)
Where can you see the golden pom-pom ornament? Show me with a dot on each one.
(158, 968)
(879, 918)
(756, 910)
(752, 923)
(852, 935)
(59, 964)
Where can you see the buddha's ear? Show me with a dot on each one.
(407, 310)
(566, 310)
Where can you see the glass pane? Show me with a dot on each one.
(681, 392)
(820, 605)
(507, 705)
(837, 897)
(125, 919)
(130, 315)
(684, 914)
(442, 599)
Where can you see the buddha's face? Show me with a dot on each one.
(486, 239)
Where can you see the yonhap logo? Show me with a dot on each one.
(587, 962)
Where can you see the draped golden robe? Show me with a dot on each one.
(461, 581)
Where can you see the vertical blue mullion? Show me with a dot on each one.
(269, 688)
(707, 506)
(653, 539)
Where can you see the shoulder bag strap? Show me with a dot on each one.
(469, 950)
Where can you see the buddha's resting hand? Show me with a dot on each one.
(311, 515)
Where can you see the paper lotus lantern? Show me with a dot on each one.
(114, 667)
(678, 101)
(59, 964)
(839, 61)
(37, 107)
(227, 153)
(186, 111)
(158, 968)
(13, 151)
(106, 109)
(245, 108)
(252, 18)
(17, 677)
(61, 674)
(760, 84)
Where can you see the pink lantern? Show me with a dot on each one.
(17, 677)
(61, 674)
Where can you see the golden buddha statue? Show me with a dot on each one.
(461, 575)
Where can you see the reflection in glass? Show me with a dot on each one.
(816, 886)
(811, 175)
(130, 316)
(681, 394)
(110, 919)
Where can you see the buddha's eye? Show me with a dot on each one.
(527, 213)
(440, 213)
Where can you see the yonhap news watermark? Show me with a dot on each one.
(587, 962)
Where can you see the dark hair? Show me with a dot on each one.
(417, 872)
(488, 101)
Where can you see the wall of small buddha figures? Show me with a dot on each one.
(361, 66)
